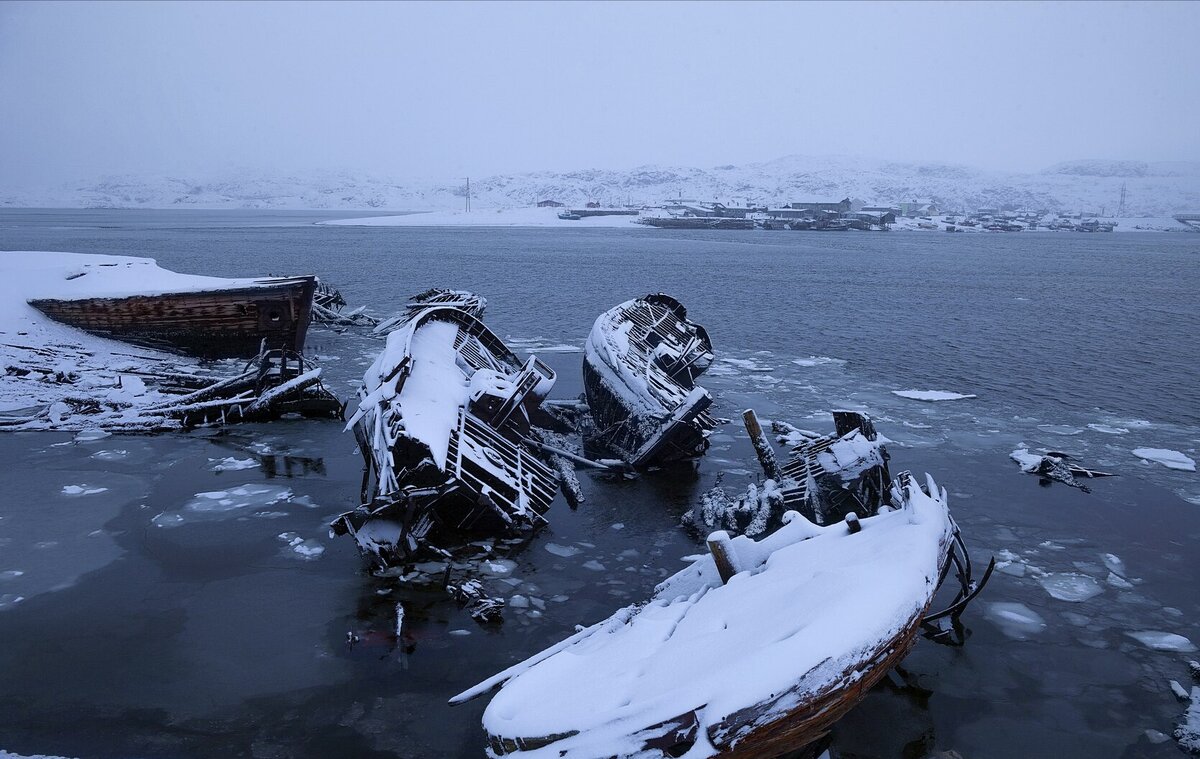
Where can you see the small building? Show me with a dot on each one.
(919, 208)
(841, 206)
(592, 204)
(878, 218)
(882, 210)
(549, 204)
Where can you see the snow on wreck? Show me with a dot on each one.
(135, 301)
(62, 376)
(640, 366)
(444, 423)
(754, 649)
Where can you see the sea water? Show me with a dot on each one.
(178, 594)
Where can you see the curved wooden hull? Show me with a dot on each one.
(212, 324)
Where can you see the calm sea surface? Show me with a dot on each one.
(123, 638)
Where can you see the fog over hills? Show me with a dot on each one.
(1090, 186)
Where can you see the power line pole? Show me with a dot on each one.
(468, 195)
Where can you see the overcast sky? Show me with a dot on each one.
(448, 90)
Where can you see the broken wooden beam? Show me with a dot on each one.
(762, 446)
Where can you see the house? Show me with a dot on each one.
(842, 206)
(592, 204)
(549, 204)
(919, 208)
(875, 217)
(882, 210)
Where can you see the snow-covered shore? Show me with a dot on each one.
(491, 217)
(55, 369)
(548, 217)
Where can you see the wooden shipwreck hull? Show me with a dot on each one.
(444, 425)
(212, 323)
(640, 366)
(753, 651)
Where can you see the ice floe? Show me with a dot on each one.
(82, 489)
(1107, 429)
(818, 361)
(233, 464)
(932, 395)
(565, 552)
(301, 548)
(1015, 620)
(1069, 586)
(1167, 457)
(1162, 641)
(218, 504)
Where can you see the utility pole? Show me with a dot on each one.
(468, 195)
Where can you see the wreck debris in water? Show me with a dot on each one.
(444, 423)
(824, 478)
(640, 366)
(327, 310)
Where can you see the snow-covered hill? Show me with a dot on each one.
(1090, 186)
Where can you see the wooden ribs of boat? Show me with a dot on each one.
(217, 323)
(641, 387)
(491, 479)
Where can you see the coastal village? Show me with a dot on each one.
(847, 214)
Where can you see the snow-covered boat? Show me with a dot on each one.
(463, 300)
(640, 366)
(135, 301)
(753, 650)
(443, 424)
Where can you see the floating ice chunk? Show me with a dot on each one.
(932, 395)
(1114, 563)
(113, 455)
(239, 497)
(1059, 429)
(1179, 691)
(594, 565)
(1168, 458)
(1117, 581)
(1162, 641)
(1107, 429)
(82, 490)
(304, 549)
(617, 526)
(8, 600)
(564, 551)
(88, 435)
(460, 632)
(1155, 736)
(818, 361)
(232, 464)
(10, 574)
(1069, 586)
(499, 567)
(1015, 620)
(518, 602)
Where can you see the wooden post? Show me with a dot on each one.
(723, 555)
(762, 447)
(852, 522)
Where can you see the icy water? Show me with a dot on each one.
(178, 596)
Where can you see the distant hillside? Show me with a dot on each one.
(1154, 189)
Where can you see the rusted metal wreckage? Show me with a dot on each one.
(805, 621)
(640, 366)
(446, 424)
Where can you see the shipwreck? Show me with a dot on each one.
(445, 424)
(135, 301)
(640, 366)
(758, 647)
(755, 649)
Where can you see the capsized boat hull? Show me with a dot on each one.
(218, 323)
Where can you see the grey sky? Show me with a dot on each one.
(448, 90)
